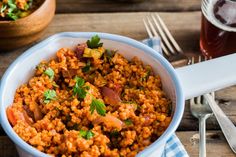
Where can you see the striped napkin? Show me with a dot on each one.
(173, 147)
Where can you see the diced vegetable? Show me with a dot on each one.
(11, 117)
(110, 121)
(15, 115)
(93, 53)
(110, 96)
(80, 50)
(37, 113)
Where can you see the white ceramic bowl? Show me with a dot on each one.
(23, 68)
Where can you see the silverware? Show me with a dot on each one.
(225, 123)
(171, 50)
(201, 110)
(227, 127)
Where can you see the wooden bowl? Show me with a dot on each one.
(15, 34)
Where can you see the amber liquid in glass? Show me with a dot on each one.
(218, 32)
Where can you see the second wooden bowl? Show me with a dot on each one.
(15, 34)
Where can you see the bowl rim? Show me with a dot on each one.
(29, 16)
(179, 110)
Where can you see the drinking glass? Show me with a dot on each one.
(218, 28)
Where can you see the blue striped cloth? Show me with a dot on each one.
(173, 147)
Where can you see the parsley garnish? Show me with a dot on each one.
(3, 8)
(13, 16)
(11, 4)
(78, 88)
(115, 133)
(86, 134)
(128, 122)
(49, 95)
(12, 10)
(94, 42)
(98, 106)
(50, 73)
(87, 67)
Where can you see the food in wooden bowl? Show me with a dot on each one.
(23, 21)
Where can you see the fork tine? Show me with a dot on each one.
(171, 38)
(147, 29)
(163, 36)
(152, 27)
(152, 32)
(199, 97)
(192, 100)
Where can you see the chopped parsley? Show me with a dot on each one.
(114, 134)
(78, 88)
(86, 134)
(49, 95)
(12, 14)
(3, 8)
(87, 67)
(50, 73)
(11, 4)
(94, 42)
(99, 106)
(128, 122)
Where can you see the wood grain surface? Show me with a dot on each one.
(76, 6)
(187, 35)
(215, 144)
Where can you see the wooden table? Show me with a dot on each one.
(126, 19)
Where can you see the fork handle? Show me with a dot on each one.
(225, 123)
(202, 132)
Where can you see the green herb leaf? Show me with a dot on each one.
(94, 42)
(115, 133)
(11, 4)
(99, 106)
(3, 8)
(86, 134)
(87, 67)
(49, 95)
(83, 133)
(79, 81)
(78, 88)
(50, 73)
(12, 16)
(26, 7)
(81, 93)
(128, 122)
(90, 134)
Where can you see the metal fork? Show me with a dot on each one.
(171, 50)
(227, 127)
(200, 110)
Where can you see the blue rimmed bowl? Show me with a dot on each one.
(23, 67)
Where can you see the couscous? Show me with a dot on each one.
(90, 102)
